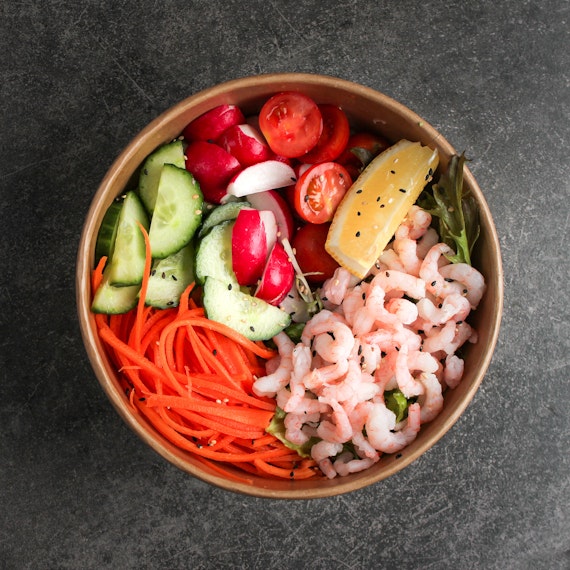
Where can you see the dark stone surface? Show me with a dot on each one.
(78, 80)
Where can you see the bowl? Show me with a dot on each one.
(366, 108)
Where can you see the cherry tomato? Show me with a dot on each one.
(361, 148)
(291, 122)
(319, 191)
(309, 246)
(334, 137)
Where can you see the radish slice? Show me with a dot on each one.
(277, 278)
(273, 201)
(246, 143)
(266, 175)
(213, 123)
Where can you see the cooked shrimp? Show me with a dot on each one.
(338, 428)
(435, 283)
(398, 284)
(345, 464)
(431, 401)
(335, 288)
(415, 224)
(453, 370)
(454, 307)
(321, 452)
(406, 382)
(404, 310)
(468, 280)
(426, 242)
(407, 251)
(381, 423)
(301, 360)
(319, 323)
(388, 259)
(269, 385)
(439, 338)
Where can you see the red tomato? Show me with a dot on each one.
(361, 148)
(334, 137)
(309, 246)
(291, 122)
(319, 191)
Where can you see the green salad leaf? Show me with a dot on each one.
(398, 403)
(455, 209)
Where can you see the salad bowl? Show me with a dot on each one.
(367, 109)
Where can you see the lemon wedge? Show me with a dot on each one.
(376, 204)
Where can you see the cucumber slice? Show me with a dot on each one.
(169, 277)
(171, 153)
(177, 212)
(214, 255)
(252, 317)
(112, 300)
(221, 214)
(128, 259)
(108, 232)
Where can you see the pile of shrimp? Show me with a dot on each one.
(399, 328)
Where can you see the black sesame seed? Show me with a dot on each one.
(359, 191)
(433, 283)
(324, 298)
(174, 278)
(252, 328)
(363, 296)
(170, 303)
(306, 198)
(357, 234)
(163, 275)
(458, 322)
(398, 456)
(293, 179)
(387, 274)
(215, 351)
(378, 199)
(229, 286)
(142, 399)
(448, 279)
(153, 272)
(381, 205)
(392, 171)
(358, 213)
(465, 291)
(146, 171)
(403, 190)
(359, 350)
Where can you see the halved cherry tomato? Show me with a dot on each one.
(361, 148)
(309, 246)
(291, 122)
(333, 140)
(319, 191)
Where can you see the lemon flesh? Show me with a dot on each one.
(376, 204)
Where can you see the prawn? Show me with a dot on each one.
(431, 401)
(468, 280)
(338, 428)
(454, 306)
(321, 452)
(345, 464)
(453, 370)
(398, 284)
(270, 384)
(381, 423)
(406, 382)
(335, 288)
(415, 224)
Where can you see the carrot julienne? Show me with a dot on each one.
(191, 378)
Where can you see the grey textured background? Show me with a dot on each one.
(78, 80)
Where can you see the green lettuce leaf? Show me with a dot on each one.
(398, 403)
(456, 210)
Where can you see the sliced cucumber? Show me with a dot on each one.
(169, 277)
(128, 256)
(252, 317)
(214, 255)
(221, 214)
(171, 153)
(177, 212)
(108, 232)
(112, 300)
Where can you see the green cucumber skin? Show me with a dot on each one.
(170, 153)
(214, 254)
(223, 213)
(111, 300)
(177, 212)
(169, 278)
(126, 264)
(253, 318)
(108, 232)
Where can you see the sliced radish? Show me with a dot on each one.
(246, 143)
(210, 125)
(213, 168)
(273, 201)
(277, 278)
(266, 175)
(253, 237)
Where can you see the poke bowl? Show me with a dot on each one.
(119, 365)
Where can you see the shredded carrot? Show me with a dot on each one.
(192, 378)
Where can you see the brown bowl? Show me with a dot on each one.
(368, 108)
